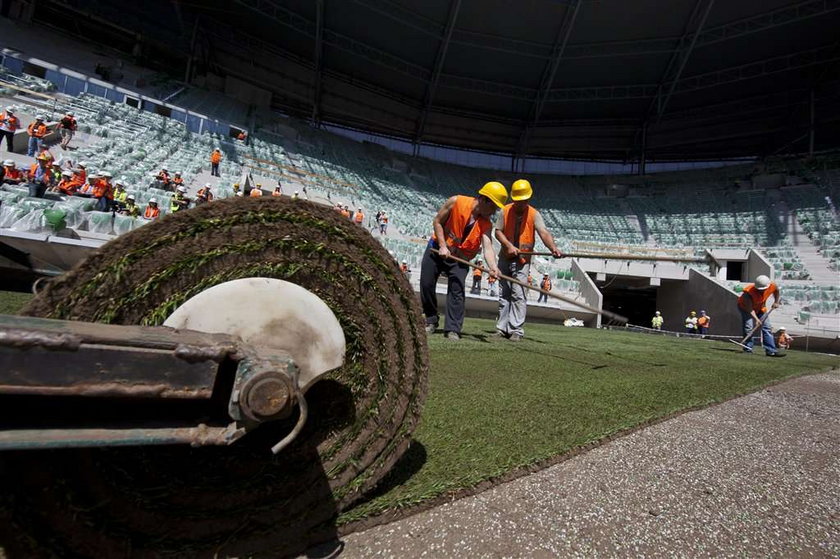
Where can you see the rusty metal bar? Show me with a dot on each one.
(202, 435)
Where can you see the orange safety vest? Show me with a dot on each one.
(80, 175)
(545, 284)
(755, 299)
(526, 231)
(12, 122)
(359, 217)
(13, 174)
(345, 213)
(255, 192)
(276, 193)
(491, 279)
(459, 217)
(703, 321)
(477, 273)
(37, 130)
(100, 188)
(201, 194)
(68, 186)
(151, 212)
(215, 157)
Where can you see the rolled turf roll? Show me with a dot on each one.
(238, 499)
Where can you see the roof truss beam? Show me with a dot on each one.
(549, 73)
(319, 61)
(454, 8)
(678, 61)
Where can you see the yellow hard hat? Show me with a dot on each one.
(521, 190)
(496, 191)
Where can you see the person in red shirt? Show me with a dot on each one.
(67, 127)
(752, 304)
(11, 174)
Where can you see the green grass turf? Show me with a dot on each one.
(495, 406)
(11, 301)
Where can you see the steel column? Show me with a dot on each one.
(319, 63)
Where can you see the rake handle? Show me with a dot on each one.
(608, 314)
(611, 256)
(759, 324)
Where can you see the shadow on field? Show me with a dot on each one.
(408, 465)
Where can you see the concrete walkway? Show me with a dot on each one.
(755, 476)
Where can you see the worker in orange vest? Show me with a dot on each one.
(215, 159)
(752, 304)
(204, 194)
(462, 227)
(359, 217)
(476, 275)
(256, 191)
(383, 223)
(783, 339)
(277, 191)
(80, 172)
(11, 174)
(103, 191)
(152, 211)
(345, 212)
(704, 321)
(516, 229)
(40, 177)
(492, 290)
(67, 185)
(404, 267)
(9, 123)
(545, 285)
(36, 130)
(177, 180)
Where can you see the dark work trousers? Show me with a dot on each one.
(431, 268)
(9, 137)
(214, 169)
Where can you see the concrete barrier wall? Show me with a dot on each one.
(758, 265)
(719, 302)
(590, 292)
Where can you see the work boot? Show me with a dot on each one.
(454, 336)
(515, 337)
(430, 328)
(499, 335)
(777, 355)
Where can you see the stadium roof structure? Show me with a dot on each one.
(582, 79)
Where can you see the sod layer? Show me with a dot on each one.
(240, 499)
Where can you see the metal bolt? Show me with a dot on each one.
(266, 397)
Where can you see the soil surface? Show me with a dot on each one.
(755, 476)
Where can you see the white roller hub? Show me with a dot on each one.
(269, 314)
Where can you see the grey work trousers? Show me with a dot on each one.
(513, 303)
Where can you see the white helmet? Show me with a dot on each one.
(119, 182)
(66, 173)
(39, 117)
(182, 189)
(177, 173)
(70, 113)
(153, 200)
(8, 163)
(782, 328)
(82, 164)
(107, 174)
(207, 185)
(10, 109)
(130, 197)
(657, 313)
(762, 282)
